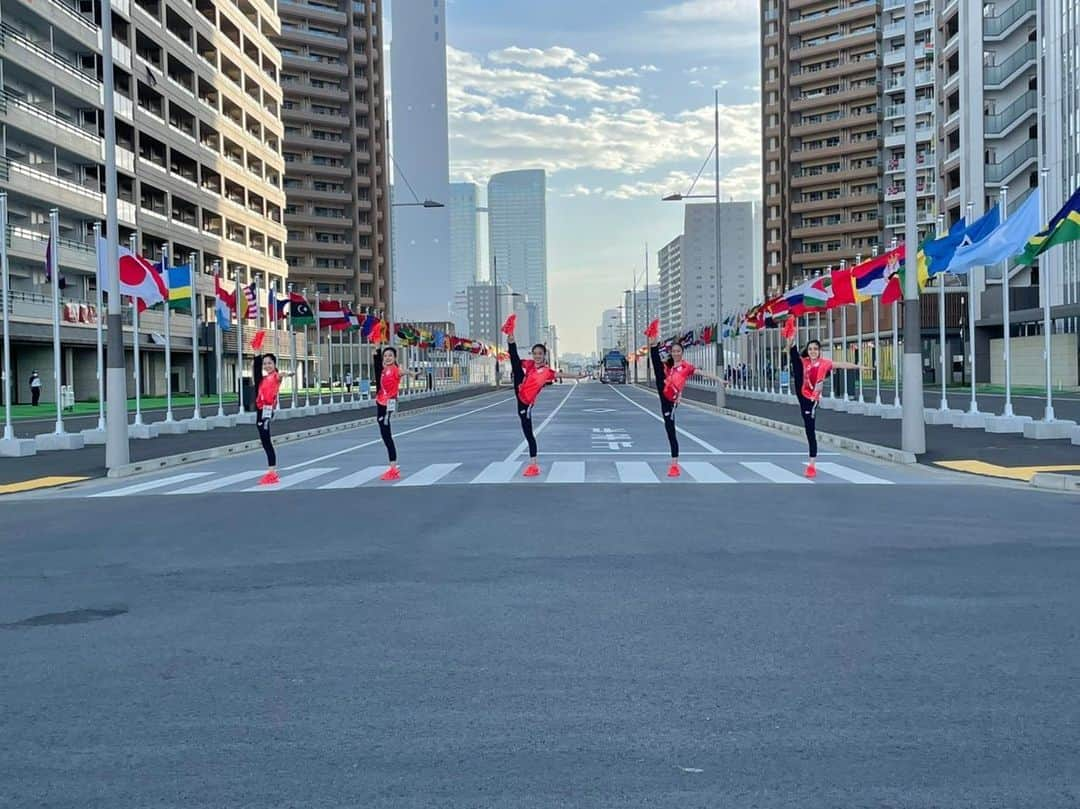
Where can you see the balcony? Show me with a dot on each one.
(1002, 123)
(298, 9)
(832, 43)
(922, 77)
(51, 67)
(833, 17)
(21, 114)
(896, 29)
(22, 177)
(922, 133)
(922, 107)
(996, 77)
(997, 28)
(1002, 172)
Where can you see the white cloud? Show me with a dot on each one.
(649, 69)
(699, 11)
(545, 59)
(742, 182)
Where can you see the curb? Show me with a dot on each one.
(828, 439)
(152, 464)
(1052, 481)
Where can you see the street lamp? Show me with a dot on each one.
(720, 398)
(632, 350)
(427, 203)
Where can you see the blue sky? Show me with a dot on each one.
(614, 99)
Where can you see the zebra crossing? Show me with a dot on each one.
(330, 478)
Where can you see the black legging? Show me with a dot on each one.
(667, 407)
(524, 411)
(382, 415)
(807, 407)
(263, 424)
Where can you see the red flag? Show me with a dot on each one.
(843, 286)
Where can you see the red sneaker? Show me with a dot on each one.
(508, 326)
(674, 471)
(269, 479)
(393, 473)
(811, 471)
(531, 471)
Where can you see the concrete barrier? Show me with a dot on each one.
(1055, 482)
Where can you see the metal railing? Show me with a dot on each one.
(9, 167)
(1000, 121)
(995, 26)
(997, 74)
(8, 31)
(999, 172)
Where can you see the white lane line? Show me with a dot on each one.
(849, 474)
(396, 435)
(705, 472)
(498, 472)
(429, 474)
(355, 479)
(220, 483)
(680, 430)
(524, 444)
(151, 484)
(635, 472)
(567, 472)
(772, 472)
(292, 480)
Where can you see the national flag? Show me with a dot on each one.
(872, 276)
(439, 339)
(61, 281)
(249, 302)
(139, 279)
(817, 295)
(300, 313)
(330, 313)
(687, 339)
(707, 334)
(939, 252)
(1006, 240)
(224, 302)
(843, 288)
(275, 306)
(178, 280)
(973, 234)
(1064, 227)
(368, 326)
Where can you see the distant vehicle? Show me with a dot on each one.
(613, 368)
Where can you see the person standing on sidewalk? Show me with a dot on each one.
(809, 371)
(35, 388)
(267, 380)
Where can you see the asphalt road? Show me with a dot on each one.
(612, 645)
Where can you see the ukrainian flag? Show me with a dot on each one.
(178, 280)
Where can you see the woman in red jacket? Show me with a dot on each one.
(388, 376)
(809, 370)
(671, 378)
(267, 381)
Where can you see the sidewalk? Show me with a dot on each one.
(90, 462)
(943, 443)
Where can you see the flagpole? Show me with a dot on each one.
(133, 246)
(896, 342)
(54, 270)
(1008, 410)
(974, 407)
(877, 350)
(193, 261)
(219, 347)
(858, 330)
(318, 345)
(168, 337)
(843, 329)
(292, 344)
(1045, 272)
(941, 319)
(99, 300)
(240, 291)
(352, 356)
(832, 350)
(9, 434)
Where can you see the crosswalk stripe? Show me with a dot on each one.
(567, 472)
(429, 474)
(704, 472)
(150, 484)
(850, 475)
(291, 480)
(220, 483)
(498, 472)
(356, 478)
(773, 472)
(635, 472)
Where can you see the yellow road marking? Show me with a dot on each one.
(1025, 473)
(38, 483)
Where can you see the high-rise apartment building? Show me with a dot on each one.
(669, 261)
(337, 211)
(198, 149)
(610, 333)
(464, 247)
(423, 289)
(821, 134)
(517, 234)
(698, 261)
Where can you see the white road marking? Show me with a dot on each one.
(429, 474)
(525, 444)
(498, 472)
(635, 472)
(773, 472)
(356, 478)
(700, 442)
(292, 480)
(220, 483)
(850, 475)
(396, 435)
(567, 472)
(151, 484)
(704, 472)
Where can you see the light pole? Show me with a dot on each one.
(632, 323)
(720, 397)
